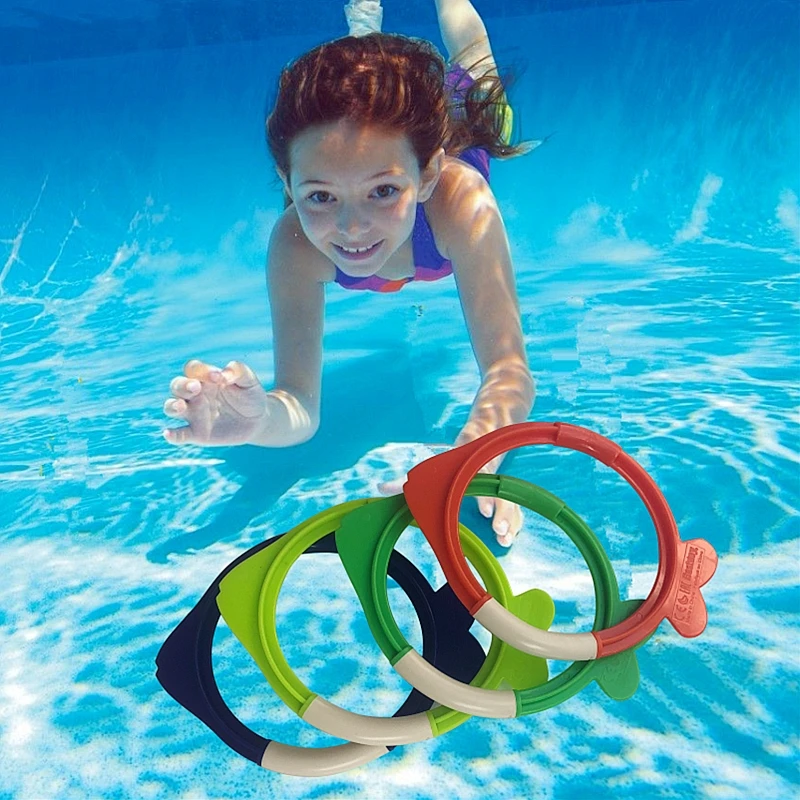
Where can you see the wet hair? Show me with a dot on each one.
(391, 81)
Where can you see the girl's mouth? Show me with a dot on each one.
(357, 253)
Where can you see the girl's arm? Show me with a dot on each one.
(471, 233)
(229, 406)
(295, 279)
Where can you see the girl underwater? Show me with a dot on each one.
(383, 151)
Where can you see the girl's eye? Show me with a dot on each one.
(386, 190)
(320, 197)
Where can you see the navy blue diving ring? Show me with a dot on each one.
(185, 671)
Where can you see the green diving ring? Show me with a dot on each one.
(249, 594)
(248, 599)
(365, 541)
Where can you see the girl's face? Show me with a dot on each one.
(356, 189)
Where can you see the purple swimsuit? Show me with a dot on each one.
(429, 263)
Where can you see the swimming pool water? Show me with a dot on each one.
(656, 240)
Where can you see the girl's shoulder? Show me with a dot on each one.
(461, 195)
(290, 249)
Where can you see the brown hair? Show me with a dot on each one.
(392, 81)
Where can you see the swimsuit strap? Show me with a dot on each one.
(429, 263)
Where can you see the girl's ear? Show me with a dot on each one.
(429, 176)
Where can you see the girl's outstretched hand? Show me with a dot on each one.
(506, 516)
(221, 406)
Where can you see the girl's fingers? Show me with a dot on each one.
(200, 370)
(174, 408)
(506, 518)
(507, 522)
(179, 435)
(239, 374)
(486, 506)
(185, 388)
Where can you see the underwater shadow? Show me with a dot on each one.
(365, 403)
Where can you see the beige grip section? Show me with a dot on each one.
(385, 731)
(545, 644)
(497, 704)
(317, 762)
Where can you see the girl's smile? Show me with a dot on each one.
(358, 253)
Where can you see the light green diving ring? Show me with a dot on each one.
(248, 600)
(365, 541)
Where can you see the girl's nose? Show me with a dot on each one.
(352, 222)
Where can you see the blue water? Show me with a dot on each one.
(656, 241)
